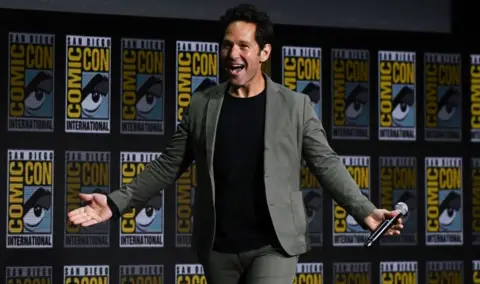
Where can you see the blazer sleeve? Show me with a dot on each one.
(329, 169)
(158, 174)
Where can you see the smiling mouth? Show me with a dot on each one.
(236, 68)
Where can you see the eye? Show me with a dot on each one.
(34, 216)
(447, 217)
(146, 103)
(92, 102)
(446, 112)
(35, 99)
(401, 111)
(353, 110)
(146, 216)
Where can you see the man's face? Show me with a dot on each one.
(241, 54)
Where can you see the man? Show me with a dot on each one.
(247, 137)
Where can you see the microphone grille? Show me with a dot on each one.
(402, 208)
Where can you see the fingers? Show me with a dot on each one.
(75, 213)
(84, 216)
(89, 223)
(86, 197)
(392, 232)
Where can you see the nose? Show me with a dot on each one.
(233, 51)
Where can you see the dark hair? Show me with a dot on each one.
(250, 14)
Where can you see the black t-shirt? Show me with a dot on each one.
(242, 219)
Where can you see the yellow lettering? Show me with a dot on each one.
(289, 73)
(308, 69)
(137, 279)
(17, 80)
(73, 189)
(129, 171)
(476, 277)
(204, 64)
(386, 70)
(399, 277)
(356, 71)
(38, 173)
(476, 200)
(191, 279)
(450, 178)
(184, 202)
(450, 277)
(129, 84)
(74, 82)
(475, 97)
(308, 180)
(96, 59)
(449, 74)
(15, 197)
(431, 107)
(386, 186)
(150, 62)
(403, 73)
(339, 92)
(86, 280)
(95, 174)
(340, 216)
(184, 81)
(39, 57)
(303, 278)
(433, 210)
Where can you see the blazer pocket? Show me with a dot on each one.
(298, 210)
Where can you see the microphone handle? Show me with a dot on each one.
(380, 231)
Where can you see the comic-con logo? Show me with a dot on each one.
(404, 272)
(476, 271)
(30, 199)
(141, 274)
(185, 197)
(397, 95)
(350, 94)
(309, 273)
(352, 273)
(398, 183)
(313, 200)
(31, 82)
(91, 274)
(28, 274)
(475, 168)
(475, 97)
(445, 272)
(141, 227)
(443, 120)
(346, 230)
(443, 201)
(189, 274)
(301, 72)
(197, 70)
(142, 86)
(86, 172)
(87, 104)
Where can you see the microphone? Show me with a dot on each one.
(402, 210)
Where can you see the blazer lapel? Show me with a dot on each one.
(213, 112)
(272, 114)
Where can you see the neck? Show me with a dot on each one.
(251, 89)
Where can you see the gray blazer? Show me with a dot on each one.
(292, 132)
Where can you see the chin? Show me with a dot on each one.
(236, 82)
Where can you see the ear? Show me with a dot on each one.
(265, 53)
